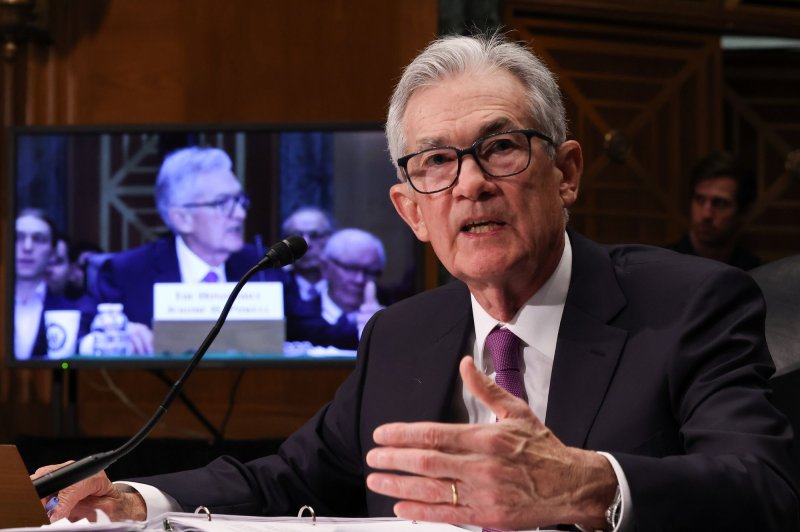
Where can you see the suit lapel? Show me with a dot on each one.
(588, 348)
(425, 375)
(165, 265)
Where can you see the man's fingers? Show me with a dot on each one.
(141, 338)
(503, 404)
(370, 294)
(428, 490)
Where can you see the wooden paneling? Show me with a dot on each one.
(649, 91)
(651, 95)
(202, 61)
(761, 97)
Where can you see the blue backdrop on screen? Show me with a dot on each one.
(41, 175)
(306, 161)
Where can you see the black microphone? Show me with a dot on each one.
(279, 255)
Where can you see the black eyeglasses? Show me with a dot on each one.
(225, 204)
(498, 155)
(354, 269)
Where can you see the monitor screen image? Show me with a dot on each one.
(127, 240)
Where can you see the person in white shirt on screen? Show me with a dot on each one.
(638, 396)
(305, 275)
(35, 233)
(202, 202)
(350, 263)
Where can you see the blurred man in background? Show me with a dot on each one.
(35, 238)
(305, 275)
(722, 193)
(350, 263)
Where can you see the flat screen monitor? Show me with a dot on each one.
(90, 244)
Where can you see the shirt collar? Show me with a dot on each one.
(38, 295)
(193, 269)
(537, 322)
(331, 312)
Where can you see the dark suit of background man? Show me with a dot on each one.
(305, 281)
(203, 204)
(655, 358)
(722, 193)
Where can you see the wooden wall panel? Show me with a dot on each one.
(652, 78)
(151, 61)
(641, 104)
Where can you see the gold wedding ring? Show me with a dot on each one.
(455, 492)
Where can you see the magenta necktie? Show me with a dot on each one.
(211, 277)
(503, 346)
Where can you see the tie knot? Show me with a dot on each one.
(211, 277)
(503, 346)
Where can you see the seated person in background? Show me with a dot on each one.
(305, 279)
(558, 381)
(35, 235)
(350, 263)
(202, 202)
(722, 192)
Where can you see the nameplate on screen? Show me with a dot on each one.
(204, 301)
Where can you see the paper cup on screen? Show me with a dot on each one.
(61, 328)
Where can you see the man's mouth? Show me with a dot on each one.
(483, 226)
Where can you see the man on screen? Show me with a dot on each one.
(305, 280)
(654, 358)
(35, 236)
(203, 204)
(350, 263)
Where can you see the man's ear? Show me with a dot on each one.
(569, 159)
(181, 220)
(405, 203)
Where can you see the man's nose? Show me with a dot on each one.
(472, 181)
(239, 212)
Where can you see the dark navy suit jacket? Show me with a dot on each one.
(304, 321)
(128, 277)
(660, 360)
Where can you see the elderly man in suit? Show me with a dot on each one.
(202, 202)
(610, 387)
(350, 263)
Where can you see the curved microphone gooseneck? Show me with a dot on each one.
(281, 254)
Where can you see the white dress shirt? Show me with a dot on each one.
(193, 269)
(27, 317)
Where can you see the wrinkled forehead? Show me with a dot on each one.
(464, 107)
(213, 185)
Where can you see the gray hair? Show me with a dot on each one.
(344, 238)
(454, 55)
(287, 228)
(175, 183)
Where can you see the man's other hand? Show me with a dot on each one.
(80, 500)
(511, 474)
(141, 338)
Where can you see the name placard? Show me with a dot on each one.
(204, 301)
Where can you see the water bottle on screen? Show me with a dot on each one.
(110, 330)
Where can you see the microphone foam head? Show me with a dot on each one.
(296, 246)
